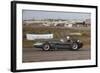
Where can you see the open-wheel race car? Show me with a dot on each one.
(71, 44)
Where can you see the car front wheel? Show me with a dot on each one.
(46, 47)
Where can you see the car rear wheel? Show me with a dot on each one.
(46, 47)
(75, 46)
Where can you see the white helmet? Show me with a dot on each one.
(68, 37)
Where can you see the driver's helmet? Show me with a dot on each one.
(68, 37)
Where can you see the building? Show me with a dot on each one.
(60, 23)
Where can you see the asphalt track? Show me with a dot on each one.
(37, 55)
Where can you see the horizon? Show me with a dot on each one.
(44, 15)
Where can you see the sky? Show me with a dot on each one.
(36, 14)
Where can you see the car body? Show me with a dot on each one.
(59, 44)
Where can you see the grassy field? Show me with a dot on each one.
(59, 32)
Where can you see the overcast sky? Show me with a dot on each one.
(32, 14)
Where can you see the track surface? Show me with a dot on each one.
(37, 55)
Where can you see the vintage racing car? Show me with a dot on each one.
(71, 44)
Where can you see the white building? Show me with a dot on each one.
(38, 36)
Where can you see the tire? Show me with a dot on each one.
(75, 46)
(46, 47)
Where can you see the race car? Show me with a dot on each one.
(71, 44)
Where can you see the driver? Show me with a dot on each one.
(68, 38)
